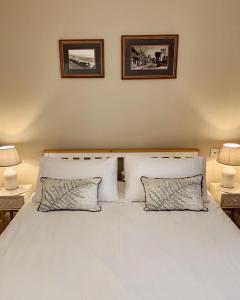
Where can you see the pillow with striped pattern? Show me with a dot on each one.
(174, 193)
(69, 194)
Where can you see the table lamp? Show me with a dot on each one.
(229, 155)
(8, 158)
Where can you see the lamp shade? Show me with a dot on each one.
(9, 156)
(229, 155)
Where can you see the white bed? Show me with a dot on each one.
(122, 253)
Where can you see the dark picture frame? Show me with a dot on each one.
(82, 58)
(149, 56)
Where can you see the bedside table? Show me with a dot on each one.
(228, 199)
(12, 201)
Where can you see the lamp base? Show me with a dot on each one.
(228, 177)
(10, 179)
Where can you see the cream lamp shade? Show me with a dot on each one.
(9, 157)
(229, 155)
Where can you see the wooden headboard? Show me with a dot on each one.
(107, 153)
(85, 154)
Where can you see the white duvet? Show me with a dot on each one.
(120, 253)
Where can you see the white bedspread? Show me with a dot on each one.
(121, 253)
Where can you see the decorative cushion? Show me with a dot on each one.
(174, 193)
(76, 169)
(62, 194)
(135, 167)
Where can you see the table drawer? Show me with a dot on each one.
(11, 203)
(230, 200)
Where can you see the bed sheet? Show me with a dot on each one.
(120, 253)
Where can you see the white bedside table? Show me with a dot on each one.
(228, 199)
(12, 201)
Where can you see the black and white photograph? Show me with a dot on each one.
(82, 58)
(149, 56)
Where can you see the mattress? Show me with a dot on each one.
(120, 253)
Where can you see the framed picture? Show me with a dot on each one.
(149, 56)
(82, 58)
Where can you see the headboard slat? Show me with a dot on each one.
(128, 150)
(106, 153)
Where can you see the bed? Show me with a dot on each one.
(121, 252)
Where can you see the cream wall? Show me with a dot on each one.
(40, 110)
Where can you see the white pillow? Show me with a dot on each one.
(135, 167)
(81, 169)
